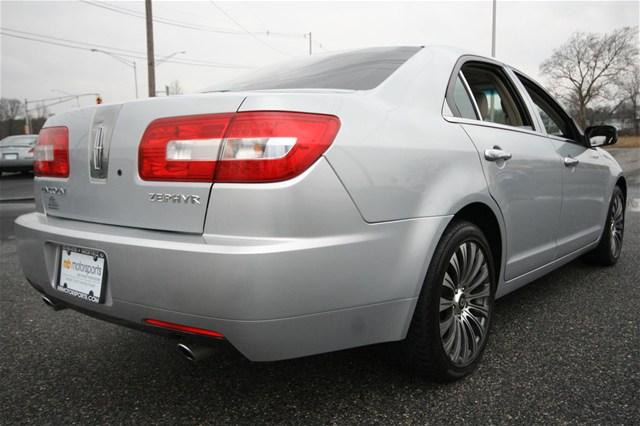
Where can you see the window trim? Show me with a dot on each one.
(522, 103)
(579, 136)
(476, 109)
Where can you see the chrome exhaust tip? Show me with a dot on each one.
(194, 353)
(53, 305)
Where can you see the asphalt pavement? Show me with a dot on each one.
(563, 350)
(16, 187)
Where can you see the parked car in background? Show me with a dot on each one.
(378, 195)
(16, 153)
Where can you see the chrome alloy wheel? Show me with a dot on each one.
(616, 224)
(465, 303)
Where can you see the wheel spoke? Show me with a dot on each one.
(480, 279)
(482, 309)
(448, 283)
(464, 264)
(473, 320)
(471, 338)
(456, 266)
(445, 304)
(446, 325)
(448, 343)
(476, 267)
(455, 352)
(482, 293)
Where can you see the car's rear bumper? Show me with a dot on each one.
(271, 298)
(21, 164)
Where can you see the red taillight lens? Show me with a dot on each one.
(243, 147)
(51, 157)
(184, 328)
(273, 146)
(182, 148)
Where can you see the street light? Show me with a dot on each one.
(166, 58)
(68, 94)
(124, 61)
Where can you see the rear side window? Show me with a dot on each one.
(555, 121)
(497, 100)
(362, 69)
(462, 100)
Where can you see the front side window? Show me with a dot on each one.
(495, 97)
(555, 121)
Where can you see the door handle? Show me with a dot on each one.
(570, 162)
(496, 154)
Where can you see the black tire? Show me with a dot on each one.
(423, 349)
(607, 252)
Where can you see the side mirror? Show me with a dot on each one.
(601, 135)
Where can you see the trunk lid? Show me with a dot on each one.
(103, 185)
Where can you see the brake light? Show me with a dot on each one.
(182, 148)
(51, 153)
(244, 147)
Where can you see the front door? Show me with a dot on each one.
(584, 175)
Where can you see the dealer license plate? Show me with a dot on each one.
(82, 273)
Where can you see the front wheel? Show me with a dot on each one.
(608, 250)
(449, 329)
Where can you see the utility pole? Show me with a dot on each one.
(310, 44)
(151, 72)
(493, 31)
(27, 119)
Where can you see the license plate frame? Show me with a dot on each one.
(82, 273)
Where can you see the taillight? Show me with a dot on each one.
(244, 147)
(51, 153)
(182, 148)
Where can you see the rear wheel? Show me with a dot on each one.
(452, 319)
(608, 250)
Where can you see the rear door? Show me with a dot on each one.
(521, 167)
(584, 174)
(104, 185)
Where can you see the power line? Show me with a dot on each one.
(190, 26)
(167, 21)
(70, 41)
(71, 44)
(246, 30)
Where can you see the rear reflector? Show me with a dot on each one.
(244, 147)
(51, 153)
(184, 328)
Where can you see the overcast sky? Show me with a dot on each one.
(527, 32)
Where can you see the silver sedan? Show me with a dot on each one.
(378, 195)
(16, 153)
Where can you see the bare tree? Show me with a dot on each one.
(587, 67)
(42, 111)
(629, 86)
(174, 88)
(9, 110)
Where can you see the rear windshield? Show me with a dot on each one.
(361, 69)
(18, 141)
